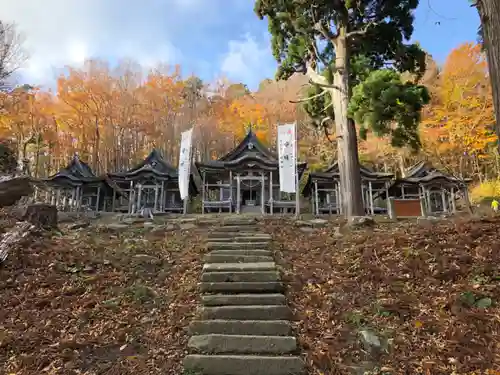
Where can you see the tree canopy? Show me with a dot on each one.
(353, 51)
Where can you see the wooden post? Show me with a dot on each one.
(155, 208)
(443, 200)
(113, 202)
(230, 191)
(271, 193)
(98, 198)
(316, 198)
(370, 192)
(262, 192)
(453, 204)
(238, 189)
(139, 197)
(131, 197)
(203, 178)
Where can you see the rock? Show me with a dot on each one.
(41, 215)
(12, 189)
(337, 233)
(318, 223)
(148, 224)
(81, 225)
(307, 229)
(370, 339)
(187, 226)
(361, 221)
(115, 226)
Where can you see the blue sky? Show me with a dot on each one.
(210, 38)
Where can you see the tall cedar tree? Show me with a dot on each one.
(489, 33)
(352, 51)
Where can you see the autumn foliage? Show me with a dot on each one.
(114, 116)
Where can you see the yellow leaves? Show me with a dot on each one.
(461, 115)
(418, 324)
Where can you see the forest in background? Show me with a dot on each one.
(113, 117)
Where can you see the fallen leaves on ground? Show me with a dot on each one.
(95, 301)
(427, 297)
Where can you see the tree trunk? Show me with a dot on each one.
(346, 132)
(489, 13)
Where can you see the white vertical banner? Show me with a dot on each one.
(185, 162)
(287, 154)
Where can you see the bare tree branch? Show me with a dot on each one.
(363, 31)
(12, 55)
(303, 100)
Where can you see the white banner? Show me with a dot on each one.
(287, 154)
(185, 163)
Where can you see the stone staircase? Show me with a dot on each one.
(243, 326)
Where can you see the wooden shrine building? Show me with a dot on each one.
(245, 180)
(76, 187)
(323, 188)
(436, 191)
(152, 184)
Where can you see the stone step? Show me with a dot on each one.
(243, 287)
(244, 365)
(266, 253)
(235, 228)
(266, 312)
(214, 258)
(237, 245)
(241, 327)
(242, 344)
(243, 299)
(217, 237)
(239, 267)
(257, 276)
(238, 234)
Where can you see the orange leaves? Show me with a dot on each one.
(237, 115)
(461, 116)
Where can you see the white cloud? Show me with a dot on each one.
(61, 32)
(247, 60)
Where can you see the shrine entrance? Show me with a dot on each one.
(251, 197)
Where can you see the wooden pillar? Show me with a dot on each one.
(443, 200)
(231, 191)
(370, 192)
(80, 199)
(162, 196)
(131, 197)
(203, 178)
(98, 198)
(73, 199)
(316, 198)
(262, 192)
(238, 189)
(271, 193)
(157, 187)
(113, 201)
(139, 197)
(453, 204)
(340, 198)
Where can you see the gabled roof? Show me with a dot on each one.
(423, 172)
(77, 168)
(76, 172)
(250, 143)
(153, 163)
(333, 173)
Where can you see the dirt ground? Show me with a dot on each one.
(428, 295)
(96, 301)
